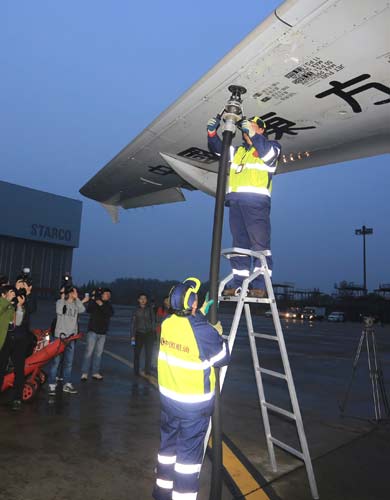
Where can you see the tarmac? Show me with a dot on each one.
(101, 444)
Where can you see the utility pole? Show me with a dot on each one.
(362, 232)
(232, 114)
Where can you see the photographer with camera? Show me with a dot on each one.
(100, 311)
(68, 307)
(17, 338)
(24, 281)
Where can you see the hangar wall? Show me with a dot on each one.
(37, 230)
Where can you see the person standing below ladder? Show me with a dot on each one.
(190, 348)
(249, 198)
(143, 328)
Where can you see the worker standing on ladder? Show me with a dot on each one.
(249, 198)
(190, 347)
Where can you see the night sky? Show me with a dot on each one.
(80, 79)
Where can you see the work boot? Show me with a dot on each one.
(229, 292)
(257, 293)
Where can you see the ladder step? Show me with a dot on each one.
(277, 409)
(223, 298)
(287, 448)
(265, 336)
(273, 373)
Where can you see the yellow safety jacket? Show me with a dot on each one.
(249, 173)
(185, 371)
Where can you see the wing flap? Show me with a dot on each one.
(171, 195)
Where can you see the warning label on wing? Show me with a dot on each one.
(276, 91)
(313, 71)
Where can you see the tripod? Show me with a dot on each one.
(375, 369)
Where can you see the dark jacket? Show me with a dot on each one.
(143, 321)
(99, 319)
(30, 307)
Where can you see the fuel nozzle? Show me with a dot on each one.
(233, 109)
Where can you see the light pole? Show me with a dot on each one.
(362, 232)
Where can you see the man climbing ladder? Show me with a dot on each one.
(249, 198)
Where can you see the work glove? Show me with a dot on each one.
(206, 305)
(218, 327)
(213, 124)
(246, 128)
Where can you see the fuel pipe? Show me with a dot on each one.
(231, 115)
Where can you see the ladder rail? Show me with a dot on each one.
(260, 388)
(290, 381)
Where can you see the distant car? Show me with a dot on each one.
(336, 316)
(313, 313)
(308, 314)
(291, 313)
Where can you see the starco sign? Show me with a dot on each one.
(51, 233)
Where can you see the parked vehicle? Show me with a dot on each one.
(291, 313)
(308, 313)
(336, 316)
(312, 313)
(320, 312)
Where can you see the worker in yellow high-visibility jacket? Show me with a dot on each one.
(252, 168)
(190, 347)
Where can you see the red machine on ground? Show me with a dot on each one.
(44, 352)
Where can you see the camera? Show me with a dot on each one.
(19, 292)
(368, 321)
(25, 276)
(97, 294)
(66, 280)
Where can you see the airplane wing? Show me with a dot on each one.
(316, 71)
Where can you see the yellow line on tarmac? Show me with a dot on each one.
(246, 483)
(243, 479)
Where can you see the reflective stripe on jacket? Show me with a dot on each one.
(189, 349)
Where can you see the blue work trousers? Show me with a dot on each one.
(180, 456)
(250, 226)
(93, 351)
(67, 363)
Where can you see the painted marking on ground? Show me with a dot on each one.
(244, 482)
(150, 378)
(249, 476)
(241, 477)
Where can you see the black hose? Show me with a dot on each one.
(216, 474)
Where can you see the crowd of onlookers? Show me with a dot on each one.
(17, 341)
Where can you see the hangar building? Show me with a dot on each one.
(37, 230)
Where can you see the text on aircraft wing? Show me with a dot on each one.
(316, 71)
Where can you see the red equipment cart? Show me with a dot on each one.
(44, 352)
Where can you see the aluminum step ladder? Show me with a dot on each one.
(243, 304)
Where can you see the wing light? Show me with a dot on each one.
(290, 157)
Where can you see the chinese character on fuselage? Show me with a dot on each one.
(338, 89)
(280, 126)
